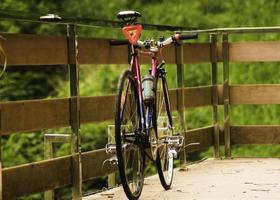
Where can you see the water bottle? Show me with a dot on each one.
(148, 89)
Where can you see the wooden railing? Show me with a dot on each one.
(31, 115)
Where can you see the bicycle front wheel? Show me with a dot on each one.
(130, 152)
(163, 122)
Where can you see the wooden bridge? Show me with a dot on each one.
(230, 179)
(72, 170)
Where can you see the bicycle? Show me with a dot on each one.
(139, 106)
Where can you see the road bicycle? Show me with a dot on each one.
(140, 104)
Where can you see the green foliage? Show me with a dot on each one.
(198, 117)
(22, 148)
(94, 136)
(30, 84)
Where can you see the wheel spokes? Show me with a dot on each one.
(164, 128)
(129, 152)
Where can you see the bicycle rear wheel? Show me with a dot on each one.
(163, 118)
(130, 152)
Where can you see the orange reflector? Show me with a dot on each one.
(132, 32)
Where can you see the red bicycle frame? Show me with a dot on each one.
(135, 69)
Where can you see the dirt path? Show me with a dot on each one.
(213, 179)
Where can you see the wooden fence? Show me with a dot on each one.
(24, 116)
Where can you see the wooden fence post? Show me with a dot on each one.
(74, 112)
(214, 82)
(1, 73)
(48, 153)
(225, 54)
(180, 97)
(49, 141)
(112, 182)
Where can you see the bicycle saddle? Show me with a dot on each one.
(128, 15)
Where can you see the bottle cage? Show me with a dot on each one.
(132, 32)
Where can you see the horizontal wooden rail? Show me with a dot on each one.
(255, 134)
(255, 94)
(204, 136)
(36, 177)
(23, 49)
(196, 53)
(50, 174)
(198, 96)
(99, 51)
(97, 109)
(268, 51)
(32, 115)
(98, 160)
(194, 97)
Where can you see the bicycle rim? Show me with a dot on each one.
(153, 139)
(130, 152)
(164, 125)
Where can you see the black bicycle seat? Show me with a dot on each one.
(128, 15)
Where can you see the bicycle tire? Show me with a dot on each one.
(129, 147)
(164, 160)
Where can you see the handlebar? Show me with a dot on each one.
(170, 40)
(186, 36)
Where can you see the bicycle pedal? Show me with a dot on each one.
(176, 141)
(112, 161)
(111, 148)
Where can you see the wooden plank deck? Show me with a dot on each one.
(243, 178)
